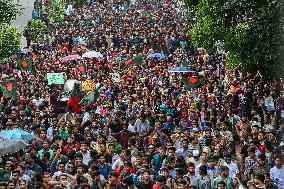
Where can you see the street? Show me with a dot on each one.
(23, 18)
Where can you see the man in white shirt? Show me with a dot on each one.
(277, 173)
(233, 168)
(142, 125)
(86, 154)
(120, 161)
(131, 124)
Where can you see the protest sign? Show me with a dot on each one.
(55, 78)
(88, 85)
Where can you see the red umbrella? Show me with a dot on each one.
(71, 57)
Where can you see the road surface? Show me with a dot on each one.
(22, 19)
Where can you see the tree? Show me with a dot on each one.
(56, 10)
(8, 9)
(10, 41)
(250, 31)
(36, 29)
(10, 38)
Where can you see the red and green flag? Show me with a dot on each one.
(82, 68)
(133, 61)
(146, 14)
(75, 98)
(10, 88)
(193, 82)
(25, 63)
(128, 10)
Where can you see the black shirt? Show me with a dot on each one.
(142, 185)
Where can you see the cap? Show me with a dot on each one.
(270, 130)
(250, 182)
(9, 162)
(128, 163)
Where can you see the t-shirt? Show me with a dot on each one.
(142, 185)
(277, 176)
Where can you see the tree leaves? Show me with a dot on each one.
(36, 29)
(56, 10)
(250, 31)
(8, 9)
(10, 41)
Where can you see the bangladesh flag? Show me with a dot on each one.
(82, 68)
(145, 13)
(128, 10)
(75, 98)
(193, 82)
(137, 60)
(10, 88)
(25, 63)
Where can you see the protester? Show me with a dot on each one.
(141, 126)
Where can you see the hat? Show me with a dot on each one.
(255, 123)
(9, 162)
(128, 163)
(26, 177)
(269, 130)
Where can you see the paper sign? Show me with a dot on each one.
(88, 85)
(115, 77)
(55, 78)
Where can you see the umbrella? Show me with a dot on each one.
(92, 54)
(11, 146)
(181, 69)
(156, 55)
(65, 116)
(71, 57)
(16, 133)
(80, 49)
(69, 84)
(24, 51)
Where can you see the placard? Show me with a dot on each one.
(88, 85)
(55, 78)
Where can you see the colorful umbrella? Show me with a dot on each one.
(92, 54)
(69, 84)
(156, 55)
(16, 133)
(24, 51)
(71, 57)
(181, 69)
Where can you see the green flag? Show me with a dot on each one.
(10, 88)
(25, 63)
(128, 10)
(137, 60)
(82, 68)
(193, 82)
(146, 13)
(91, 96)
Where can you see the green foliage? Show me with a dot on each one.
(56, 10)
(10, 41)
(8, 9)
(36, 29)
(252, 42)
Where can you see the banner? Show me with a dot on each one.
(25, 63)
(88, 85)
(55, 78)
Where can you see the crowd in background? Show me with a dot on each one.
(147, 130)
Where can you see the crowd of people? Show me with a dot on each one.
(145, 129)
